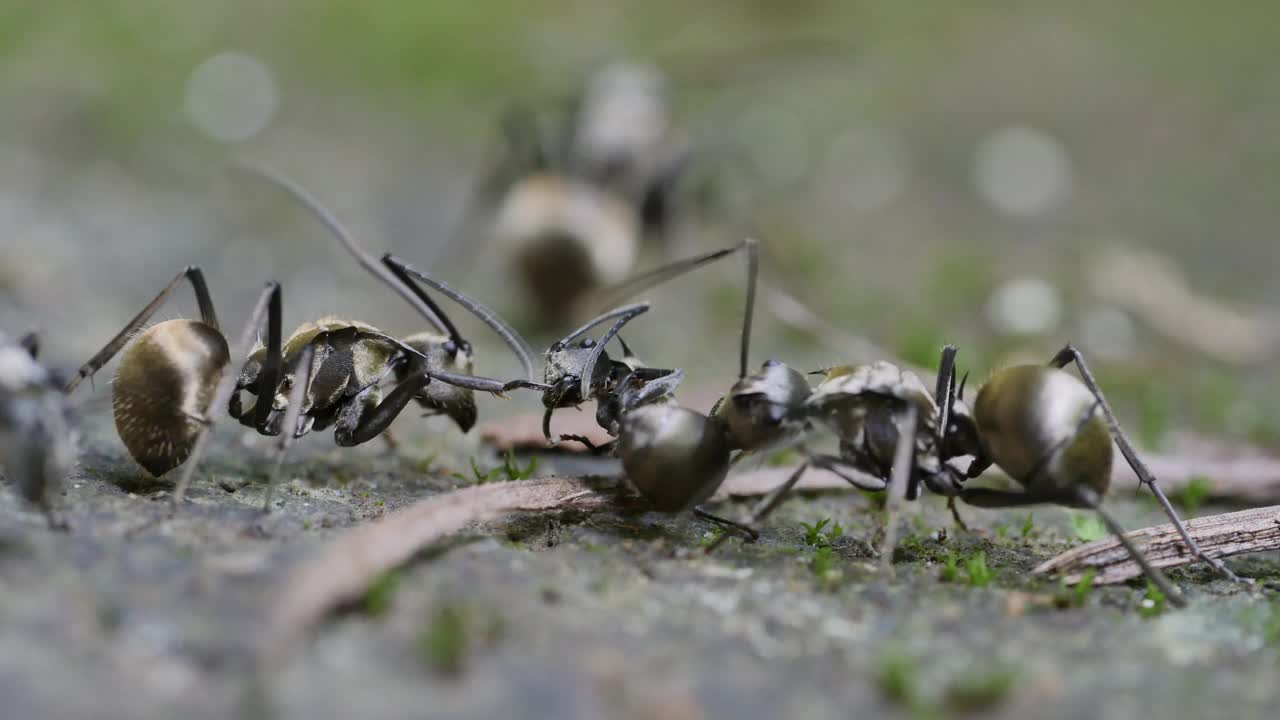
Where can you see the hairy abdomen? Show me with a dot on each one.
(166, 379)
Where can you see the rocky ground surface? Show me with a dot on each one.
(139, 614)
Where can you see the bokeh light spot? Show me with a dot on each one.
(1024, 306)
(231, 96)
(1022, 172)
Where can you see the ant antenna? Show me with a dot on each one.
(638, 284)
(602, 317)
(508, 334)
(400, 275)
(631, 312)
(425, 306)
(655, 277)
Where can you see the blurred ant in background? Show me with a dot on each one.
(37, 438)
(569, 208)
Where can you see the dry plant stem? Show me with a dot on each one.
(1219, 536)
(343, 571)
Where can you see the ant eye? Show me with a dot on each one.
(450, 347)
(588, 343)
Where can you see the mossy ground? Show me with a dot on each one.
(386, 111)
(596, 615)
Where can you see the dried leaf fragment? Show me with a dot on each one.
(1224, 535)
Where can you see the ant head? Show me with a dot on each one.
(568, 364)
(960, 436)
(763, 408)
(776, 383)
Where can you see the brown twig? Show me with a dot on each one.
(343, 572)
(1225, 535)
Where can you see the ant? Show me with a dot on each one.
(569, 207)
(327, 373)
(676, 457)
(578, 369)
(173, 372)
(1048, 430)
(37, 441)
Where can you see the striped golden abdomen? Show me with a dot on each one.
(1032, 421)
(165, 381)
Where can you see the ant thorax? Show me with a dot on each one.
(864, 404)
(764, 410)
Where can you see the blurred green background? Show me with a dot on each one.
(1005, 176)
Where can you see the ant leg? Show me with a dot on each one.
(831, 463)
(1068, 355)
(1084, 497)
(728, 524)
(592, 447)
(992, 498)
(191, 274)
(649, 374)
(653, 390)
(222, 394)
(955, 513)
(944, 397)
(269, 375)
(903, 467)
(301, 382)
(360, 421)
(768, 504)
(841, 466)
(1090, 499)
(753, 272)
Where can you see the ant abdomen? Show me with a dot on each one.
(566, 236)
(1045, 428)
(674, 456)
(758, 409)
(162, 390)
